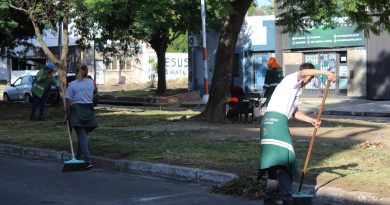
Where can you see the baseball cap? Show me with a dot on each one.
(51, 66)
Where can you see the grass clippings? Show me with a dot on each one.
(243, 186)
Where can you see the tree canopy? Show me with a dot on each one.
(158, 22)
(299, 15)
(15, 28)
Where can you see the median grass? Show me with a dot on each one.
(350, 154)
(143, 93)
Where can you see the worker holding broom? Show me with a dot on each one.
(80, 111)
(277, 152)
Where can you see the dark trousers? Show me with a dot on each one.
(284, 179)
(41, 101)
(82, 149)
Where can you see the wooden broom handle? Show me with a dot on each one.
(314, 134)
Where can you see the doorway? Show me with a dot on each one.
(335, 62)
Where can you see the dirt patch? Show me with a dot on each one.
(245, 187)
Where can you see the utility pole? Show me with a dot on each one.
(206, 83)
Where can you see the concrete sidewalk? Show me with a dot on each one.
(333, 105)
(347, 106)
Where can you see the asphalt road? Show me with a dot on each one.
(32, 182)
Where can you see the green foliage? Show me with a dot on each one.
(180, 44)
(252, 9)
(300, 15)
(127, 21)
(123, 23)
(15, 28)
(153, 64)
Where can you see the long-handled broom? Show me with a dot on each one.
(301, 198)
(73, 164)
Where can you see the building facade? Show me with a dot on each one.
(136, 71)
(361, 62)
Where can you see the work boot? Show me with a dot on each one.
(272, 194)
(88, 166)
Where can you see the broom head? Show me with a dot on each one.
(74, 165)
(301, 198)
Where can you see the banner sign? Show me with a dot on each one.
(342, 36)
(176, 65)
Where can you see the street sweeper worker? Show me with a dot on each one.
(277, 151)
(80, 111)
(273, 76)
(40, 90)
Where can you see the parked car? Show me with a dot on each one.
(20, 90)
(72, 76)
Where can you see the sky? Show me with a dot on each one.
(263, 2)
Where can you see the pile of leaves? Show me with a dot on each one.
(245, 187)
(371, 145)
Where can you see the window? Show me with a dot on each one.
(18, 81)
(26, 80)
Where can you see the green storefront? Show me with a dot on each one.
(340, 50)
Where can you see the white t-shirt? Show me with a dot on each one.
(80, 92)
(284, 99)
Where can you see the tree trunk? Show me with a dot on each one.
(63, 67)
(222, 76)
(159, 43)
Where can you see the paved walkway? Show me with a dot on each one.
(348, 106)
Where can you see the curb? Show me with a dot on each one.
(323, 195)
(162, 170)
(369, 114)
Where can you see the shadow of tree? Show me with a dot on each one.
(333, 170)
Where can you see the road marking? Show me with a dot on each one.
(164, 197)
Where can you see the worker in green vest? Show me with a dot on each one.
(40, 90)
(277, 152)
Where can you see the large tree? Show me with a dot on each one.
(224, 61)
(158, 22)
(293, 16)
(45, 14)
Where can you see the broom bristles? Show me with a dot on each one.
(73, 165)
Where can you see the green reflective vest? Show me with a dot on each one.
(41, 83)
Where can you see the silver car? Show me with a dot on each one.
(19, 90)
